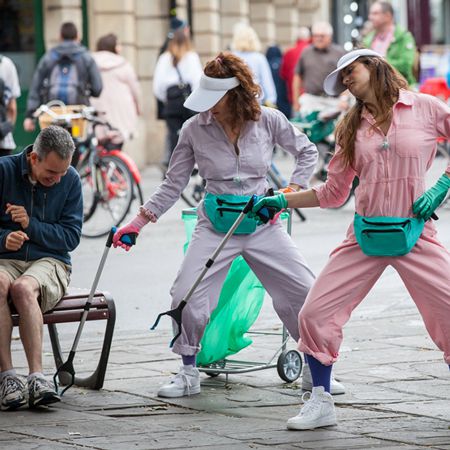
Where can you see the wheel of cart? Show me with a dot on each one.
(288, 362)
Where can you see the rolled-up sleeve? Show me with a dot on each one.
(336, 189)
(297, 144)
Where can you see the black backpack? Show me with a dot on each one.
(65, 80)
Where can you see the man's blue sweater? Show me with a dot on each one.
(56, 212)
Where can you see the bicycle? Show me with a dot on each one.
(110, 179)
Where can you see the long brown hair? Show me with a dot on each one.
(385, 82)
(243, 99)
(179, 44)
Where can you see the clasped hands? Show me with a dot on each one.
(16, 239)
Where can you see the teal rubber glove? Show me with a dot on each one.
(427, 203)
(277, 202)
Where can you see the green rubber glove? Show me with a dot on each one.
(427, 203)
(277, 202)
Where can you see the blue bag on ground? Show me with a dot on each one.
(240, 302)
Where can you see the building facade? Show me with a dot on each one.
(28, 27)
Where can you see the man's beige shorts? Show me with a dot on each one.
(52, 275)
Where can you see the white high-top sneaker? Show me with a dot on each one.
(307, 384)
(317, 411)
(185, 382)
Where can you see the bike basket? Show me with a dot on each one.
(77, 127)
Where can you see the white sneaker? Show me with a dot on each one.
(307, 384)
(12, 393)
(317, 411)
(186, 382)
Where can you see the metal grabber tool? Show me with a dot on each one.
(265, 214)
(67, 367)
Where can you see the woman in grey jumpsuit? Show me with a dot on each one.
(231, 141)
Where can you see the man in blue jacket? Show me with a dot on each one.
(41, 212)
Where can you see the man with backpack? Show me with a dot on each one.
(67, 72)
(9, 91)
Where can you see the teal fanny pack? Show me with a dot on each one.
(223, 210)
(387, 236)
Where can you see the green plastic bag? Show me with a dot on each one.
(239, 304)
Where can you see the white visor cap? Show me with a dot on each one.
(333, 82)
(209, 92)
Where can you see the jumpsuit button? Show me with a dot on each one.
(237, 180)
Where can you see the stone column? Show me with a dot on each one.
(262, 19)
(231, 13)
(206, 26)
(56, 12)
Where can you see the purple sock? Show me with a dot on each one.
(188, 360)
(320, 374)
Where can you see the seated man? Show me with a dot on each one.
(41, 212)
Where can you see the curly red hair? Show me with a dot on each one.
(243, 99)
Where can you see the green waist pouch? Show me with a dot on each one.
(387, 236)
(223, 210)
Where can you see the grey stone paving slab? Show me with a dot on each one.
(156, 440)
(51, 415)
(35, 444)
(235, 396)
(102, 428)
(156, 410)
(438, 389)
(85, 400)
(439, 409)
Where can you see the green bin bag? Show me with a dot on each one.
(240, 301)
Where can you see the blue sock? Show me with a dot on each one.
(188, 360)
(320, 373)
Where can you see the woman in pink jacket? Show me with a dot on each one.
(120, 99)
(388, 140)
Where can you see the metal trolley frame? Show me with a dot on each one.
(289, 363)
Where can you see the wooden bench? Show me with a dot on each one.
(70, 309)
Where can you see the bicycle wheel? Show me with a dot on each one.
(193, 193)
(109, 189)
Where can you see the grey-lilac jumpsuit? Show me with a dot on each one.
(269, 251)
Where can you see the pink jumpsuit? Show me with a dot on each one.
(269, 251)
(392, 177)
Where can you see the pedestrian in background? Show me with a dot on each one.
(67, 73)
(391, 40)
(290, 60)
(121, 94)
(177, 73)
(274, 56)
(247, 46)
(315, 63)
(9, 92)
(388, 140)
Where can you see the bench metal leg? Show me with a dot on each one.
(94, 381)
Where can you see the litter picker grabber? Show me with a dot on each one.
(67, 367)
(265, 214)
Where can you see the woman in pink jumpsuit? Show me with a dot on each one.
(232, 142)
(388, 140)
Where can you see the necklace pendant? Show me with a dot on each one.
(385, 144)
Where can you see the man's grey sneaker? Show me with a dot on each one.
(12, 393)
(317, 411)
(41, 392)
(186, 382)
(307, 384)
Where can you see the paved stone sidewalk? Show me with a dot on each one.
(398, 396)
